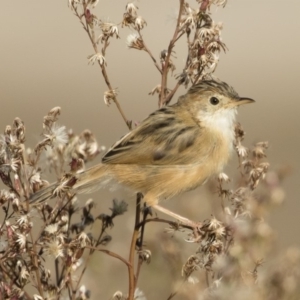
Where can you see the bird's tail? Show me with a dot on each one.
(85, 182)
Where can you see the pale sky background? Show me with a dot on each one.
(43, 63)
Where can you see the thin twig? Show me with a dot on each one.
(112, 254)
(36, 265)
(140, 261)
(167, 59)
(102, 67)
(150, 53)
(172, 93)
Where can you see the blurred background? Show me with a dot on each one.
(44, 64)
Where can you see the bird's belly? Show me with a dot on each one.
(165, 181)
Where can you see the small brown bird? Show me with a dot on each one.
(176, 149)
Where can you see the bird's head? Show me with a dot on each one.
(213, 103)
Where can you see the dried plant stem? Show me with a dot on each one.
(112, 254)
(162, 98)
(132, 279)
(70, 283)
(172, 93)
(102, 66)
(2, 268)
(171, 223)
(150, 53)
(35, 264)
(6, 216)
(207, 279)
(140, 261)
(89, 256)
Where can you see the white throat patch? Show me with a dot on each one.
(222, 121)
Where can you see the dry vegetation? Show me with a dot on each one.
(233, 256)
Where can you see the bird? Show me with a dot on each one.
(175, 149)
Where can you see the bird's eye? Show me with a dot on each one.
(214, 100)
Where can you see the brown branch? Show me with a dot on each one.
(112, 254)
(167, 59)
(102, 67)
(34, 256)
(132, 279)
(150, 53)
(172, 93)
(8, 275)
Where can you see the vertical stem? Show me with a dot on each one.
(132, 279)
(167, 59)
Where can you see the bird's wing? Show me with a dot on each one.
(163, 138)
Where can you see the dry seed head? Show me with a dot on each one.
(59, 135)
(139, 23)
(93, 58)
(83, 293)
(189, 17)
(23, 221)
(51, 117)
(222, 177)
(109, 96)
(214, 224)
(24, 274)
(135, 42)
(131, 9)
(118, 296)
(259, 150)
(241, 150)
(94, 3)
(108, 30)
(191, 265)
(139, 295)
(155, 90)
(54, 248)
(145, 255)
(84, 239)
(21, 240)
(51, 229)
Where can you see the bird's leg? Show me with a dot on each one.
(181, 219)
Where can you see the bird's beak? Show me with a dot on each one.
(243, 100)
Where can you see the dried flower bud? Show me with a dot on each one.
(118, 296)
(110, 96)
(8, 130)
(222, 177)
(108, 30)
(51, 117)
(139, 23)
(21, 240)
(191, 265)
(97, 57)
(54, 248)
(156, 89)
(83, 293)
(131, 9)
(51, 229)
(214, 224)
(135, 42)
(119, 207)
(77, 165)
(89, 204)
(145, 255)
(16, 204)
